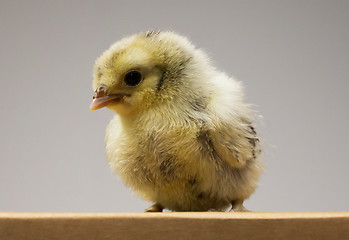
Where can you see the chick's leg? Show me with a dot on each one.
(154, 208)
(237, 206)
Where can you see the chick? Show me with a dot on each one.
(182, 137)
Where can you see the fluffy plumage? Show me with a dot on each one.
(182, 137)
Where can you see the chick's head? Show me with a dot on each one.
(139, 71)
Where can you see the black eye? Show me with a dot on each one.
(133, 78)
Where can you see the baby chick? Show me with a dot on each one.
(182, 137)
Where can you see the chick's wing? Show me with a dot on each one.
(234, 145)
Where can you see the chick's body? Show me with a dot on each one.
(182, 138)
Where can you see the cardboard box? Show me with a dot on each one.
(203, 225)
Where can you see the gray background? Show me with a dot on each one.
(291, 55)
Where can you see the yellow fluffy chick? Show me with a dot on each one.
(182, 137)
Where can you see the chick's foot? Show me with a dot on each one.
(237, 206)
(154, 208)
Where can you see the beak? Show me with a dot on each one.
(101, 99)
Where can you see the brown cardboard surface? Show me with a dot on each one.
(203, 225)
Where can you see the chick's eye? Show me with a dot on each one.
(133, 78)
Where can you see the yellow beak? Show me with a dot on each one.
(102, 99)
(101, 102)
